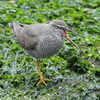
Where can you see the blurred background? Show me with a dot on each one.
(75, 73)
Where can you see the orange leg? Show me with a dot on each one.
(41, 77)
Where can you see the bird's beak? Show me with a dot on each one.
(67, 37)
(74, 32)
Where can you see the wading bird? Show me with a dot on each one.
(42, 40)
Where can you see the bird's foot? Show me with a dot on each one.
(43, 80)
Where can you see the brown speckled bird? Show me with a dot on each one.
(41, 40)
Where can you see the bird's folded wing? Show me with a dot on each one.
(22, 33)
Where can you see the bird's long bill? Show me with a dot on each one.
(74, 32)
(67, 37)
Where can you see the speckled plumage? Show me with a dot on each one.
(39, 40)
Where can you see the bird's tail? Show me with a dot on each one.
(11, 25)
(16, 28)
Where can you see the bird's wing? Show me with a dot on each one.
(26, 38)
(34, 30)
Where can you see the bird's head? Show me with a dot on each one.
(62, 26)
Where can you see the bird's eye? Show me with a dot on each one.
(57, 26)
(60, 27)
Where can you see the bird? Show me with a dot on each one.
(42, 40)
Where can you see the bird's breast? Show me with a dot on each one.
(47, 46)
